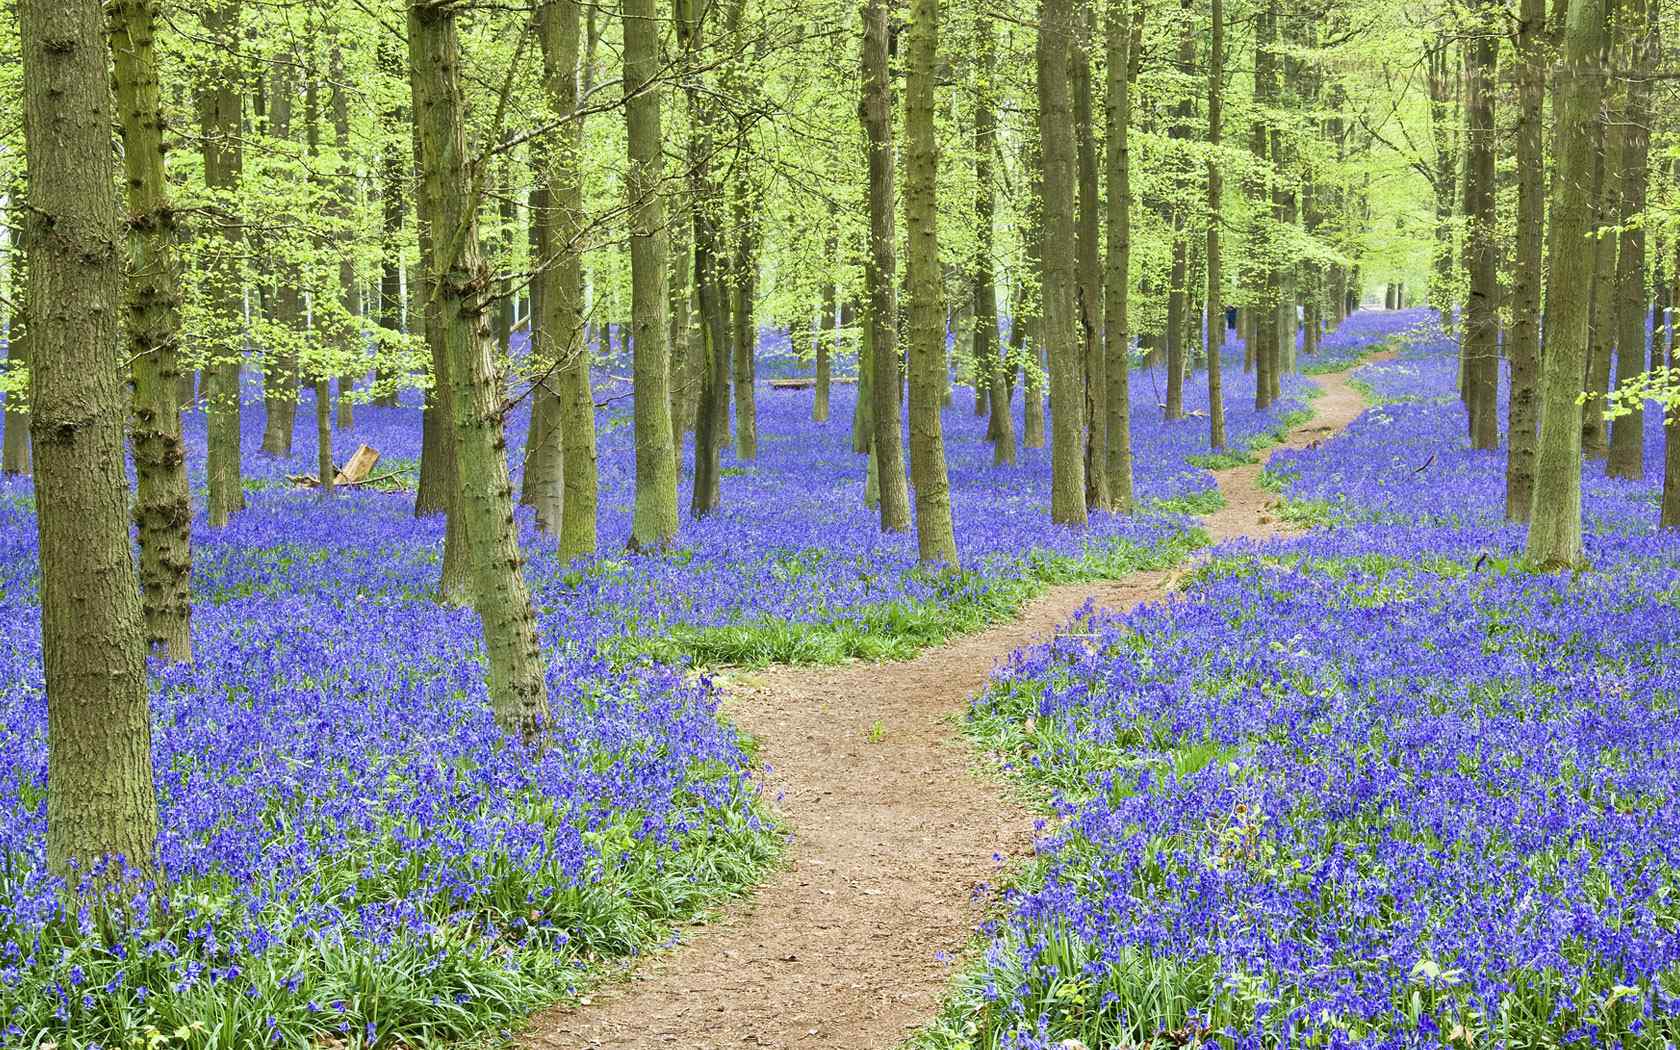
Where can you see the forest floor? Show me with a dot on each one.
(897, 845)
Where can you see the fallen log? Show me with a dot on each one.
(355, 471)
(806, 382)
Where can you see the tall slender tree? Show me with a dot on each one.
(100, 796)
(711, 421)
(880, 270)
(1265, 292)
(1056, 29)
(1178, 290)
(1215, 188)
(223, 335)
(1123, 33)
(1088, 298)
(394, 183)
(1554, 532)
(162, 507)
(655, 520)
(14, 437)
(460, 282)
(935, 539)
(561, 283)
(1480, 334)
(1627, 431)
(1522, 344)
(988, 363)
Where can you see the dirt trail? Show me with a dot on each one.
(896, 846)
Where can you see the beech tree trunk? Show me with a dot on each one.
(1179, 318)
(1060, 291)
(1480, 334)
(551, 337)
(14, 444)
(162, 506)
(1032, 302)
(1123, 35)
(349, 335)
(460, 281)
(1601, 308)
(711, 420)
(224, 321)
(1522, 344)
(826, 344)
(936, 542)
(100, 797)
(1554, 534)
(880, 270)
(280, 357)
(1088, 299)
(654, 524)
(317, 320)
(991, 380)
(1265, 294)
(684, 381)
(1669, 515)
(744, 340)
(568, 505)
(1627, 431)
(1215, 276)
(1442, 85)
(393, 183)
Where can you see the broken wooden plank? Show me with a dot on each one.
(356, 469)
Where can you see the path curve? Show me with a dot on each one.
(896, 846)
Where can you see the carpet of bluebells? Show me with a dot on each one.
(352, 855)
(1379, 786)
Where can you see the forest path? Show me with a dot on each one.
(895, 843)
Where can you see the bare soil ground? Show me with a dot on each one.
(897, 844)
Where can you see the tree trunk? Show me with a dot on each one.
(880, 269)
(316, 319)
(562, 295)
(1627, 431)
(542, 482)
(1056, 136)
(14, 446)
(280, 356)
(935, 540)
(1262, 235)
(825, 339)
(350, 333)
(1669, 516)
(1554, 535)
(1601, 309)
(1124, 29)
(866, 398)
(1178, 319)
(1088, 299)
(1443, 93)
(1215, 278)
(1480, 335)
(711, 420)
(100, 797)
(460, 281)
(1522, 345)
(162, 506)
(744, 341)
(393, 185)
(683, 382)
(655, 521)
(991, 381)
